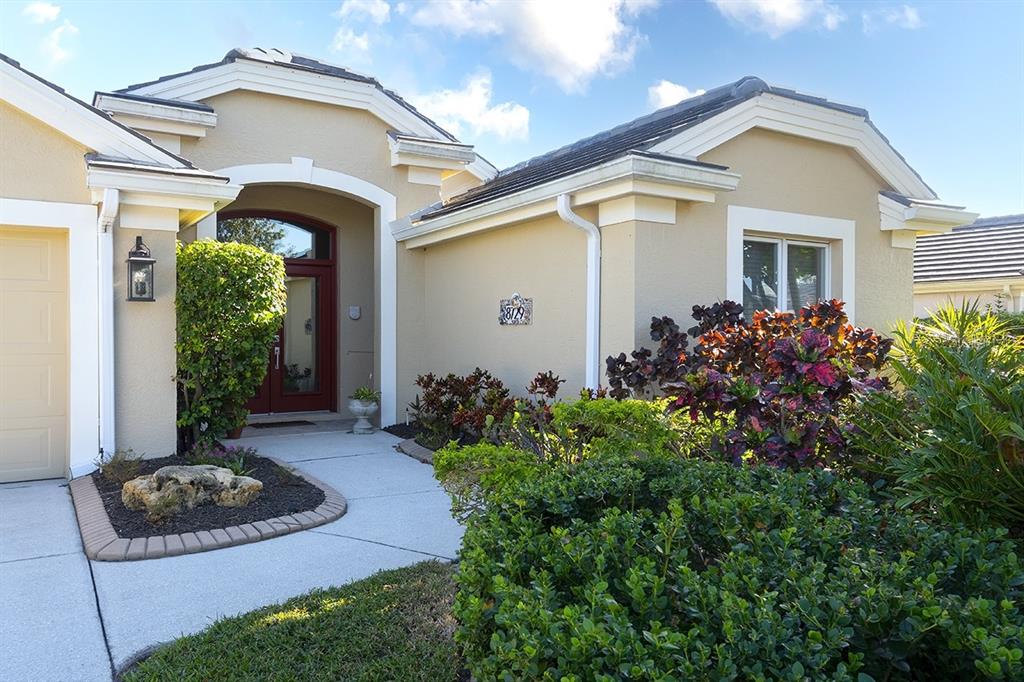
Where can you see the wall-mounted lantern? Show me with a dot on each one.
(140, 272)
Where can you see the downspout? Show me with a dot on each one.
(593, 360)
(105, 309)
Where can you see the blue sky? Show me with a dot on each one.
(943, 81)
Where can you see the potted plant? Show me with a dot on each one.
(363, 403)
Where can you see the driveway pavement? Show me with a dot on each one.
(55, 626)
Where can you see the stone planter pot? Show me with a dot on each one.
(362, 410)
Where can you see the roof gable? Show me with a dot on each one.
(699, 124)
(280, 72)
(86, 125)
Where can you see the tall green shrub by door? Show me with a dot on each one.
(230, 303)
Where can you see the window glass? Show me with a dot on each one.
(760, 276)
(805, 275)
(278, 236)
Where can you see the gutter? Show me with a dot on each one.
(105, 309)
(593, 361)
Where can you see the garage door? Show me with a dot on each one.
(33, 353)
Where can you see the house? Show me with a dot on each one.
(983, 261)
(406, 251)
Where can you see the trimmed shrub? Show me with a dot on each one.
(606, 425)
(230, 303)
(661, 568)
(542, 436)
(471, 473)
(953, 436)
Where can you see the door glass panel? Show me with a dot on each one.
(760, 276)
(301, 337)
(805, 275)
(282, 237)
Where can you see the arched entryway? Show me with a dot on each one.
(367, 315)
(301, 371)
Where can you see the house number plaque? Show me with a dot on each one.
(516, 310)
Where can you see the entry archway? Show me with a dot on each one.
(302, 172)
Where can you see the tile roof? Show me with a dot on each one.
(988, 248)
(300, 63)
(635, 136)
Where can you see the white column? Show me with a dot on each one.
(207, 227)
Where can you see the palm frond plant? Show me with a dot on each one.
(953, 435)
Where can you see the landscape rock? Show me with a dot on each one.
(172, 489)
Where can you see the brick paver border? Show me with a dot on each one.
(102, 543)
(416, 451)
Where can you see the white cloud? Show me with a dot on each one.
(571, 41)
(777, 17)
(665, 93)
(347, 40)
(377, 11)
(904, 16)
(53, 43)
(41, 12)
(471, 106)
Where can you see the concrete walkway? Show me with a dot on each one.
(55, 626)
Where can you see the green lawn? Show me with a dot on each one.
(395, 625)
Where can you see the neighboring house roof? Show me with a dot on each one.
(988, 248)
(639, 135)
(300, 63)
(137, 147)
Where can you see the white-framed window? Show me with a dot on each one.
(783, 274)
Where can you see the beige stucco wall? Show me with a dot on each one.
(786, 173)
(259, 128)
(682, 265)
(464, 280)
(1010, 298)
(354, 264)
(38, 162)
(144, 357)
(648, 269)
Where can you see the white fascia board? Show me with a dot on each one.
(482, 169)
(164, 112)
(158, 125)
(453, 155)
(921, 218)
(75, 120)
(193, 197)
(800, 119)
(600, 183)
(287, 82)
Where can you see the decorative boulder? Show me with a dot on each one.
(171, 489)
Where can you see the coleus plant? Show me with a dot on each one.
(780, 380)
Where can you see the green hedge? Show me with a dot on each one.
(659, 568)
(230, 302)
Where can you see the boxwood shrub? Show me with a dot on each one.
(666, 569)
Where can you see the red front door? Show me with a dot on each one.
(301, 373)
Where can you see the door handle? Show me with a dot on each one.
(277, 357)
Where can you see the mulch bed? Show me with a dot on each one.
(282, 495)
(404, 431)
